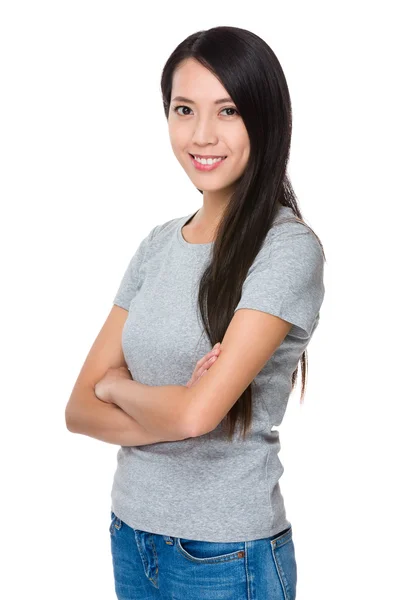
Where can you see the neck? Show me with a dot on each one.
(210, 214)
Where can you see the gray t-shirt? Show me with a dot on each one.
(206, 488)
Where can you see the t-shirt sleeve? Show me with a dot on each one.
(131, 279)
(286, 277)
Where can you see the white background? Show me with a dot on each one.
(87, 170)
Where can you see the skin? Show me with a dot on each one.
(206, 128)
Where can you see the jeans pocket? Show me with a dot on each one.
(210, 552)
(283, 552)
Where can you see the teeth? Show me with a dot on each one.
(208, 161)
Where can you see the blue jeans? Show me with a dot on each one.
(149, 566)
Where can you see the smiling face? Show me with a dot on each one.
(202, 126)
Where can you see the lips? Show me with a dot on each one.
(205, 165)
(206, 157)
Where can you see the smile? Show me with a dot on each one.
(206, 164)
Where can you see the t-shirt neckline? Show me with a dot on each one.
(183, 242)
(181, 238)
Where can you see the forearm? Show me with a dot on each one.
(161, 410)
(108, 423)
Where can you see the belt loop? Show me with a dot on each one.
(168, 540)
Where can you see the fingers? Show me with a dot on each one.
(204, 364)
(207, 361)
(209, 357)
(214, 352)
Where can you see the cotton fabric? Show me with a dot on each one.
(206, 488)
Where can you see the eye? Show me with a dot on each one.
(230, 108)
(176, 108)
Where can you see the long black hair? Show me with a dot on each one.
(251, 73)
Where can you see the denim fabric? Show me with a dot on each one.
(149, 566)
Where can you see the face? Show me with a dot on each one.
(203, 127)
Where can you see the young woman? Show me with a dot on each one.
(197, 510)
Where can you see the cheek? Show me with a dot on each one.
(243, 154)
(246, 152)
(242, 144)
(178, 139)
(179, 152)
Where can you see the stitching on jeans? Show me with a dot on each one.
(221, 558)
(156, 560)
(286, 537)
(249, 578)
(280, 572)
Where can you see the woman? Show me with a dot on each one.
(197, 511)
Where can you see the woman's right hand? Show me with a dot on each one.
(204, 364)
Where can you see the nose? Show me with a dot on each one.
(204, 133)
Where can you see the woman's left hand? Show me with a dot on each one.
(103, 389)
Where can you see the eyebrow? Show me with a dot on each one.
(182, 99)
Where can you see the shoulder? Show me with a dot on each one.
(290, 234)
(151, 237)
(291, 250)
(165, 229)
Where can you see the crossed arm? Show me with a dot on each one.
(109, 423)
(175, 412)
(139, 414)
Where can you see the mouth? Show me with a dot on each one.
(206, 156)
(215, 162)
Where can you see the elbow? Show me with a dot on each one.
(191, 432)
(187, 423)
(69, 420)
(193, 422)
(79, 408)
(180, 431)
(69, 424)
(194, 429)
